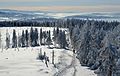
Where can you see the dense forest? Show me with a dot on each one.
(64, 23)
(97, 43)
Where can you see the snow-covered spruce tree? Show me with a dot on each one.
(114, 39)
(64, 41)
(49, 40)
(57, 30)
(114, 36)
(54, 31)
(57, 33)
(26, 38)
(14, 39)
(97, 35)
(31, 36)
(61, 39)
(19, 40)
(7, 40)
(75, 37)
(41, 36)
(85, 48)
(36, 37)
(23, 39)
(82, 42)
(108, 56)
(44, 36)
(54, 36)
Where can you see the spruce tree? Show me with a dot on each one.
(31, 36)
(44, 36)
(14, 39)
(26, 37)
(23, 39)
(59, 39)
(19, 40)
(49, 38)
(41, 36)
(7, 40)
(64, 41)
(36, 37)
(54, 36)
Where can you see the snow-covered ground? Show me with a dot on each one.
(23, 61)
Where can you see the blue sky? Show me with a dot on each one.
(66, 5)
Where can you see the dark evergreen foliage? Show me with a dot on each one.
(14, 39)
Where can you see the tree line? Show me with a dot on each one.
(64, 23)
(34, 38)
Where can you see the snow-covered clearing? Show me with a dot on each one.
(23, 61)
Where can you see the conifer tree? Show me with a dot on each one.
(41, 36)
(14, 39)
(23, 39)
(7, 40)
(31, 36)
(49, 38)
(36, 37)
(26, 37)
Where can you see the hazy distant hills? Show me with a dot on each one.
(9, 15)
(97, 16)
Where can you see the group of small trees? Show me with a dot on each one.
(20, 41)
(59, 37)
(26, 39)
(34, 37)
(45, 37)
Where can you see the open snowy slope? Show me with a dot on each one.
(24, 62)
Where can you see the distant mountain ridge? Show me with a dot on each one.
(9, 15)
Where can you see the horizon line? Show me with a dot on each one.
(99, 8)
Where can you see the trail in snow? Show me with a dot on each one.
(74, 68)
(74, 60)
(72, 64)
